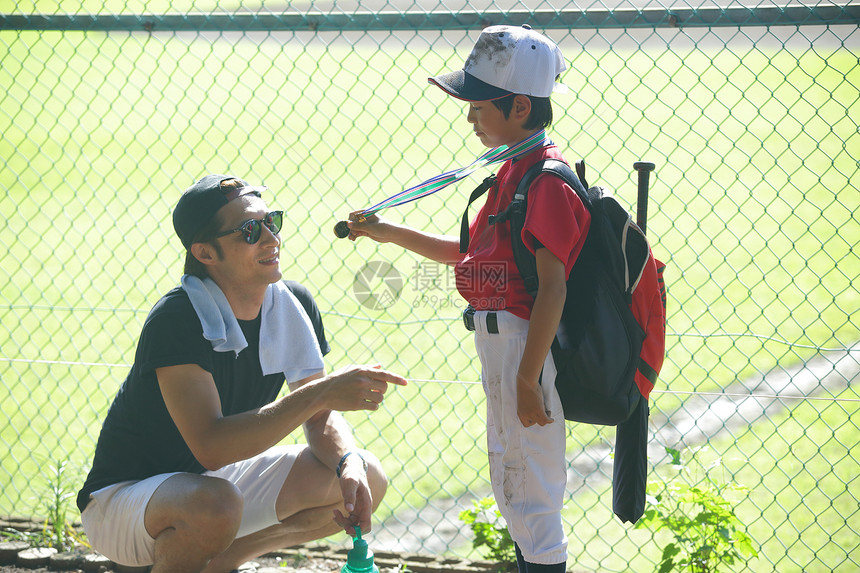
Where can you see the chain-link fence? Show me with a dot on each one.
(110, 109)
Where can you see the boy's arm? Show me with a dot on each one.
(543, 324)
(439, 248)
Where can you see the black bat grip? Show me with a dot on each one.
(644, 168)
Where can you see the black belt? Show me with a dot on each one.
(469, 320)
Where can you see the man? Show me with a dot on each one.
(187, 475)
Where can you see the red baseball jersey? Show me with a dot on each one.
(556, 218)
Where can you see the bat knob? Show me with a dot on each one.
(341, 230)
(643, 166)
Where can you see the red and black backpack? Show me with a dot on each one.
(604, 364)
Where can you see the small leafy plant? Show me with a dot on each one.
(706, 531)
(491, 533)
(295, 561)
(57, 531)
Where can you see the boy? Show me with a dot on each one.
(507, 81)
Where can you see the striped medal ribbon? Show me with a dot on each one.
(439, 182)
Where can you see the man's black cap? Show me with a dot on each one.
(201, 201)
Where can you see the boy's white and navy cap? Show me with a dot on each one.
(506, 60)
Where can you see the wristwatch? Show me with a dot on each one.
(343, 459)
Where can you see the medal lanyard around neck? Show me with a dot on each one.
(495, 155)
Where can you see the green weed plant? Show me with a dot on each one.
(57, 529)
(491, 533)
(706, 533)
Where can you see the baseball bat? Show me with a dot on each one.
(644, 168)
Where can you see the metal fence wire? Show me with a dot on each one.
(750, 112)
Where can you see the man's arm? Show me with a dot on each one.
(216, 440)
(330, 438)
(543, 324)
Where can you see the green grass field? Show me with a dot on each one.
(751, 207)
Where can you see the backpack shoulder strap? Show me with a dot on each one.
(561, 170)
(524, 258)
(464, 222)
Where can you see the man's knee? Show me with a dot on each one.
(376, 478)
(216, 506)
(204, 511)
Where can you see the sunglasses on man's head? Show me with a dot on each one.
(253, 228)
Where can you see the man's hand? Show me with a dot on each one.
(357, 499)
(329, 437)
(358, 387)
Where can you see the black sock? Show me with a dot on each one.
(521, 563)
(541, 568)
(525, 567)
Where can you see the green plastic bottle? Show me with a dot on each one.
(360, 557)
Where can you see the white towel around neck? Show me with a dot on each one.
(288, 343)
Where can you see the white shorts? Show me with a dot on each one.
(527, 465)
(114, 518)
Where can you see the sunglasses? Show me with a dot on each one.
(253, 228)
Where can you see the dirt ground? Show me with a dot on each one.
(310, 558)
(264, 565)
(268, 564)
(316, 559)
